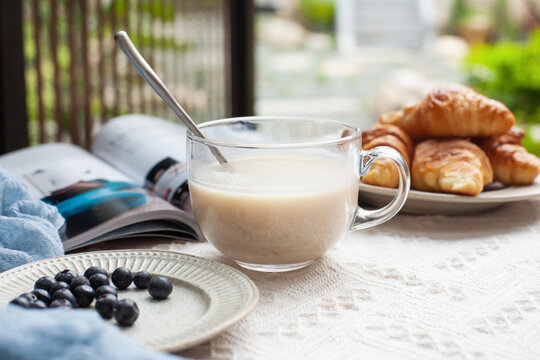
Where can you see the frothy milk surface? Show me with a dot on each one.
(274, 210)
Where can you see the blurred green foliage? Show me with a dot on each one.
(318, 14)
(497, 13)
(510, 72)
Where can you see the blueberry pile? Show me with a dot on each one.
(70, 290)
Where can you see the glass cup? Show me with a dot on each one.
(287, 191)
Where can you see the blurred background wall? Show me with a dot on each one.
(355, 59)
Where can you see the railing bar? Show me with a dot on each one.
(129, 72)
(207, 63)
(73, 115)
(37, 62)
(154, 100)
(163, 41)
(227, 53)
(53, 34)
(113, 19)
(184, 80)
(86, 74)
(158, 57)
(222, 77)
(101, 62)
(175, 59)
(205, 56)
(142, 84)
(188, 78)
(216, 45)
(159, 50)
(207, 59)
(224, 62)
(196, 24)
(217, 65)
(202, 24)
(214, 61)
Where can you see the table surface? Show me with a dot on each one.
(416, 287)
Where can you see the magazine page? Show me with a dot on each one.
(92, 196)
(49, 167)
(149, 150)
(150, 217)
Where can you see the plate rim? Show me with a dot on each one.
(493, 196)
(212, 265)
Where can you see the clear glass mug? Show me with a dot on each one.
(287, 191)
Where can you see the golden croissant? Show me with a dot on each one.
(511, 163)
(383, 172)
(390, 118)
(453, 110)
(450, 166)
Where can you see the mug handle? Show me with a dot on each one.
(367, 218)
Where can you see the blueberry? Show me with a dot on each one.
(30, 297)
(105, 305)
(77, 281)
(160, 287)
(121, 278)
(63, 303)
(65, 276)
(92, 270)
(97, 280)
(21, 301)
(65, 294)
(38, 305)
(45, 282)
(126, 312)
(58, 286)
(42, 295)
(142, 279)
(106, 289)
(84, 294)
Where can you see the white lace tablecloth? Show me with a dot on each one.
(416, 287)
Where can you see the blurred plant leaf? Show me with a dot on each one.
(509, 72)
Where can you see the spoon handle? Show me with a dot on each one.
(148, 74)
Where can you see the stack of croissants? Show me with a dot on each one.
(454, 141)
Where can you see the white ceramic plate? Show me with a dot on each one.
(421, 202)
(207, 298)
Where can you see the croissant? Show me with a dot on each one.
(511, 163)
(390, 118)
(455, 111)
(383, 172)
(450, 166)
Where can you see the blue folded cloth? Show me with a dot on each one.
(28, 232)
(65, 334)
(28, 227)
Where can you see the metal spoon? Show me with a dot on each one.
(148, 74)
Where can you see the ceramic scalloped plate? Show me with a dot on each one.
(421, 202)
(207, 298)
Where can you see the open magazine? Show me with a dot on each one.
(133, 183)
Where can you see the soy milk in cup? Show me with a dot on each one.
(287, 191)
